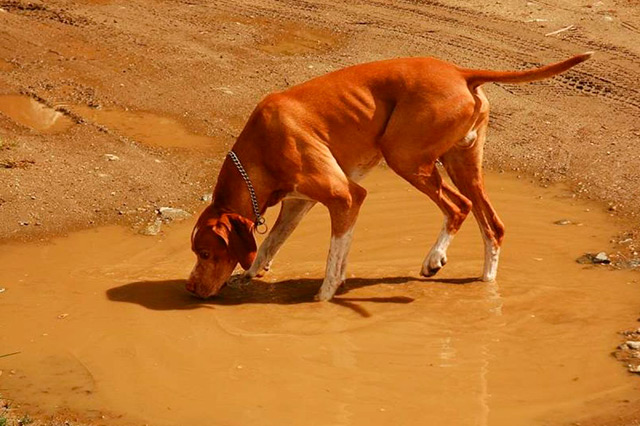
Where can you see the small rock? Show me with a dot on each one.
(22, 223)
(206, 198)
(632, 344)
(2, 289)
(608, 19)
(170, 213)
(152, 229)
(602, 258)
(594, 259)
(563, 222)
(634, 368)
(63, 316)
(111, 157)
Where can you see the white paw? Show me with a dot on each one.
(323, 295)
(433, 263)
(239, 280)
(489, 278)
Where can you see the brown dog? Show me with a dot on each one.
(315, 141)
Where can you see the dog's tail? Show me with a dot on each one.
(477, 77)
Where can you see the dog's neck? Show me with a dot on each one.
(231, 194)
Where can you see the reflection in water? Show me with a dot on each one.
(33, 114)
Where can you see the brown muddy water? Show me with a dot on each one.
(33, 114)
(293, 40)
(104, 326)
(141, 126)
(145, 127)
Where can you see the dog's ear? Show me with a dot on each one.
(237, 233)
(242, 243)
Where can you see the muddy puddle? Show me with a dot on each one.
(104, 327)
(33, 114)
(140, 126)
(296, 40)
(146, 127)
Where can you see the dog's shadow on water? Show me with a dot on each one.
(172, 295)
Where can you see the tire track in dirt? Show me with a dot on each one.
(587, 81)
(420, 26)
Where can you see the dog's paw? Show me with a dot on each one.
(323, 296)
(238, 280)
(489, 278)
(433, 263)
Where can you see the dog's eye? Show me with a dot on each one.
(204, 254)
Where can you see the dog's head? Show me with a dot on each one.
(219, 241)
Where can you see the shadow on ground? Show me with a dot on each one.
(171, 294)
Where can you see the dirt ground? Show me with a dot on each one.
(205, 65)
(152, 93)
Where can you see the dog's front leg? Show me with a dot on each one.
(343, 212)
(336, 265)
(291, 213)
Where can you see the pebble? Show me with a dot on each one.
(111, 157)
(170, 213)
(563, 222)
(597, 259)
(632, 344)
(153, 228)
(63, 316)
(2, 289)
(634, 368)
(206, 198)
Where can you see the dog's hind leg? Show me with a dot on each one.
(416, 135)
(453, 205)
(464, 166)
(418, 168)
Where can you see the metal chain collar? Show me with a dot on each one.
(260, 222)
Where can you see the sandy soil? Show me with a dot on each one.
(166, 86)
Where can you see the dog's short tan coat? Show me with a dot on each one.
(315, 141)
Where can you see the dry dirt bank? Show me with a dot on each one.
(205, 65)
